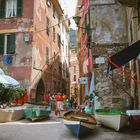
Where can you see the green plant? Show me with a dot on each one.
(7, 95)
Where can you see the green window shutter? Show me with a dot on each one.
(1, 43)
(11, 44)
(2, 9)
(47, 25)
(19, 7)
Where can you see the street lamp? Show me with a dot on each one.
(77, 19)
(87, 28)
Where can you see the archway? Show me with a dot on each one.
(40, 90)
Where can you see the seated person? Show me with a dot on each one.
(89, 109)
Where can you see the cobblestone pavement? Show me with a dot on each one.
(54, 129)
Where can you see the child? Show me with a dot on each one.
(67, 104)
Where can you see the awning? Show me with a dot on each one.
(124, 56)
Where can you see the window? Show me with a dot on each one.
(53, 34)
(10, 8)
(47, 25)
(74, 69)
(7, 44)
(59, 21)
(74, 78)
(54, 12)
(59, 40)
(47, 55)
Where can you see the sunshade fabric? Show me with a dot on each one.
(1, 71)
(8, 81)
(124, 56)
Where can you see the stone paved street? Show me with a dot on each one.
(53, 129)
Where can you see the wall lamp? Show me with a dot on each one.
(77, 19)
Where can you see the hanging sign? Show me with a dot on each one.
(83, 80)
(99, 60)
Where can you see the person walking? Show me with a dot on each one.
(59, 104)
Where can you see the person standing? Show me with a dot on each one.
(47, 98)
(59, 104)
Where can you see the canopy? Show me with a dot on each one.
(124, 56)
(8, 81)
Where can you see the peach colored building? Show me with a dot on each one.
(74, 68)
(30, 45)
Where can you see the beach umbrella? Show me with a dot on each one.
(1, 71)
(8, 81)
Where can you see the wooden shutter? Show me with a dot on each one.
(11, 44)
(19, 7)
(47, 25)
(2, 8)
(1, 43)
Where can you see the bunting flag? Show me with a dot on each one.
(85, 10)
(92, 84)
(86, 89)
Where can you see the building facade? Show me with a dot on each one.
(74, 67)
(30, 35)
(108, 25)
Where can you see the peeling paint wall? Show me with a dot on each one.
(109, 24)
(22, 26)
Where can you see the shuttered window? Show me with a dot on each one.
(11, 8)
(47, 25)
(19, 7)
(1, 44)
(7, 44)
(2, 9)
(11, 44)
(47, 55)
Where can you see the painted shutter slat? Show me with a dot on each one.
(19, 7)
(2, 44)
(11, 44)
(2, 9)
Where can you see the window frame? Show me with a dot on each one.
(3, 7)
(9, 12)
(74, 77)
(9, 44)
(47, 55)
(47, 25)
